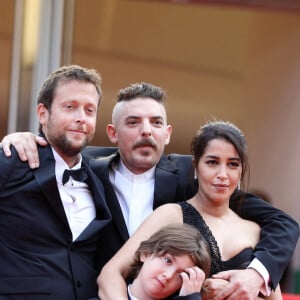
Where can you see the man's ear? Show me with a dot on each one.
(168, 134)
(112, 133)
(42, 113)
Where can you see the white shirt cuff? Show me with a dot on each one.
(261, 269)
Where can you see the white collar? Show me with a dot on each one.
(146, 176)
(131, 297)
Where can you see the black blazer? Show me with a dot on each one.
(38, 259)
(174, 182)
(171, 185)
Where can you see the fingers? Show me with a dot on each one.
(6, 149)
(233, 293)
(212, 286)
(227, 292)
(25, 144)
(40, 140)
(222, 275)
(195, 273)
(192, 280)
(29, 147)
(243, 284)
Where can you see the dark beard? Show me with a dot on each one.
(66, 147)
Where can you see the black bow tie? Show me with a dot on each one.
(79, 175)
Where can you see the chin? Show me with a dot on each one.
(146, 166)
(79, 143)
(76, 148)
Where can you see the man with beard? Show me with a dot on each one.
(138, 178)
(51, 217)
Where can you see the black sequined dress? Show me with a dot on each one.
(240, 261)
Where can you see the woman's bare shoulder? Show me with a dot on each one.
(169, 208)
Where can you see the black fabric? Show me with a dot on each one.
(79, 175)
(194, 296)
(240, 261)
(39, 259)
(192, 217)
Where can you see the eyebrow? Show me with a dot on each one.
(132, 117)
(217, 157)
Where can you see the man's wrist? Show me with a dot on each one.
(256, 265)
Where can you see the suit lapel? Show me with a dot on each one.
(97, 189)
(166, 181)
(46, 179)
(103, 216)
(101, 168)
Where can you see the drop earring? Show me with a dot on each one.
(195, 174)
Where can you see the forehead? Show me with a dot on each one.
(140, 107)
(69, 84)
(220, 147)
(76, 89)
(184, 261)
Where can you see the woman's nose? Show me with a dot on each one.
(222, 172)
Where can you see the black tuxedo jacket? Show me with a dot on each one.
(171, 185)
(174, 182)
(38, 259)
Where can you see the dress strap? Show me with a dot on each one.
(192, 217)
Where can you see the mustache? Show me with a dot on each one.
(144, 142)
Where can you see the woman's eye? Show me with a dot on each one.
(234, 165)
(211, 162)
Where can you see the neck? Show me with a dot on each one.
(70, 160)
(133, 170)
(136, 291)
(209, 207)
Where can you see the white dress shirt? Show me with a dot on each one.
(130, 296)
(135, 194)
(76, 198)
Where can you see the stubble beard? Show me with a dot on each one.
(64, 145)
